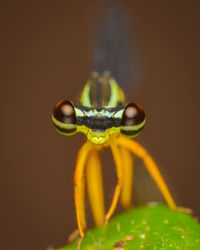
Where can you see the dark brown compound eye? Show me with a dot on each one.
(64, 112)
(133, 115)
(64, 118)
(133, 120)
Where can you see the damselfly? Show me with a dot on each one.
(107, 120)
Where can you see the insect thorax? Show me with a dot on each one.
(102, 92)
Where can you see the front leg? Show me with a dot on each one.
(95, 186)
(79, 186)
(120, 173)
(151, 166)
(127, 186)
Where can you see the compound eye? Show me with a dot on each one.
(64, 112)
(133, 115)
(64, 117)
(133, 120)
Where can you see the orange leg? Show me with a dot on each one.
(79, 186)
(95, 186)
(127, 186)
(150, 164)
(120, 171)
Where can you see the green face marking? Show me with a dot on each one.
(100, 114)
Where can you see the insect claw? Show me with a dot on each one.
(185, 209)
(79, 243)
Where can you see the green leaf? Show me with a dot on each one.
(149, 227)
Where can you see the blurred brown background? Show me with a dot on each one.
(45, 48)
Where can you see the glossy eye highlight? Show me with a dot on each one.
(64, 118)
(133, 120)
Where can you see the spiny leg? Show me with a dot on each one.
(151, 166)
(95, 186)
(79, 186)
(120, 172)
(126, 192)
